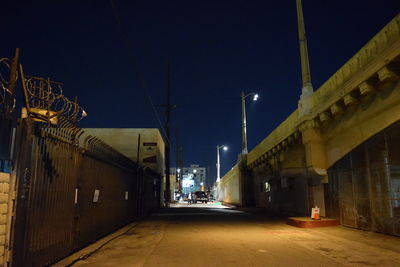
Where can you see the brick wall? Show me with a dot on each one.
(4, 198)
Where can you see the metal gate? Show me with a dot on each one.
(46, 175)
(364, 186)
(69, 192)
(69, 196)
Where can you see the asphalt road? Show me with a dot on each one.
(211, 235)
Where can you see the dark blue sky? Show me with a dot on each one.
(217, 48)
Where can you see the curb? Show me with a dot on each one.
(76, 256)
(229, 205)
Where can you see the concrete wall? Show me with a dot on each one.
(287, 128)
(229, 187)
(125, 140)
(361, 122)
(287, 177)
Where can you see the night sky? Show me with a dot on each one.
(216, 49)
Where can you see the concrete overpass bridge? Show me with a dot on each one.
(339, 150)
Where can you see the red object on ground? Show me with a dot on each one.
(316, 216)
(306, 222)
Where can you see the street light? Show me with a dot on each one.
(225, 148)
(244, 129)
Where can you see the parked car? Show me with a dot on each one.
(200, 196)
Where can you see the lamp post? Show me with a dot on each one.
(218, 165)
(244, 129)
(179, 178)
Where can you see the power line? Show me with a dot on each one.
(135, 64)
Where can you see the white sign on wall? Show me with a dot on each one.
(96, 195)
(149, 152)
(76, 195)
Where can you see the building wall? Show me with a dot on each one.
(228, 189)
(199, 173)
(125, 140)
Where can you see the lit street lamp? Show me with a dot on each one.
(244, 130)
(218, 165)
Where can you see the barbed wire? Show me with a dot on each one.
(100, 149)
(7, 96)
(45, 101)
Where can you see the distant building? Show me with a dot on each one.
(194, 178)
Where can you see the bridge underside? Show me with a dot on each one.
(349, 165)
(362, 189)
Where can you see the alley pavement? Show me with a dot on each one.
(213, 235)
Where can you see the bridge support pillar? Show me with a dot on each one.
(316, 162)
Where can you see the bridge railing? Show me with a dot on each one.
(287, 130)
(361, 66)
(379, 51)
(357, 78)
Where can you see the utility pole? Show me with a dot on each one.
(218, 165)
(168, 108)
(177, 161)
(179, 164)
